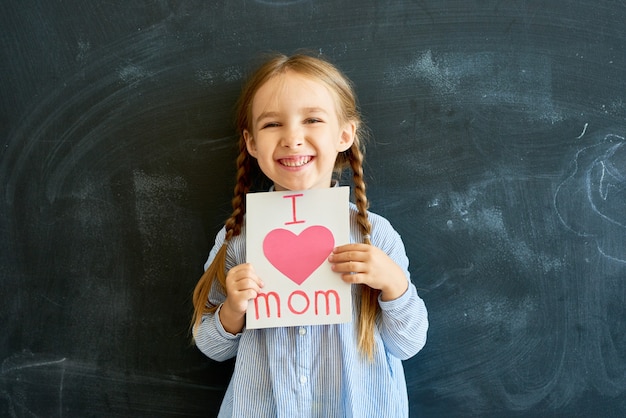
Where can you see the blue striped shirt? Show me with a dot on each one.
(318, 371)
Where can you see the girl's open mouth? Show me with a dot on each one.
(295, 161)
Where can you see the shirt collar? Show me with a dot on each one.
(333, 183)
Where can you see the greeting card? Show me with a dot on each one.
(289, 236)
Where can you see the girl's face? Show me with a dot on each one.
(296, 133)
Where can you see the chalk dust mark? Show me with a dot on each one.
(61, 385)
(583, 132)
(27, 365)
(590, 201)
(523, 81)
(21, 364)
(448, 274)
(232, 74)
(444, 78)
(83, 49)
(468, 212)
(132, 73)
(206, 77)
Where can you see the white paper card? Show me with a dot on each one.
(289, 236)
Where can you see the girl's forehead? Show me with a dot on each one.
(294, 88)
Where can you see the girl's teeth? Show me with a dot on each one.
(296, 162)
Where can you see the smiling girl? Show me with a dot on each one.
(298, 121)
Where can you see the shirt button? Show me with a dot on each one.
(302, 331)
(303, 379)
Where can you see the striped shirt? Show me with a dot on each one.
(318, 371)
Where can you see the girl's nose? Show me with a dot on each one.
(292, 138)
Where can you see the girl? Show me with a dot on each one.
(298, 122)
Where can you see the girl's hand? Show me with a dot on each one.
(367, 264)
(242, 285)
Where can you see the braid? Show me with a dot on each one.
(356, 164)
(369, 296)
(217, 268)
(234, 223)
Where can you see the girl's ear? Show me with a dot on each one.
(348, 134)
(250, 143)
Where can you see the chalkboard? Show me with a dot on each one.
(498, 153)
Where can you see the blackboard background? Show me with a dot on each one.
(498, 154)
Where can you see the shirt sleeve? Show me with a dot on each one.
(210, 336)
(214, 341)
(403, 323)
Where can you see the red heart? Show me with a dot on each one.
(298, 256)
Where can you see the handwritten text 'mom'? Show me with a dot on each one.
(298, 303)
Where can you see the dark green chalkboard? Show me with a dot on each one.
(499, 154)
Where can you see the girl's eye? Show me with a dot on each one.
(270, 125)
(313, 120)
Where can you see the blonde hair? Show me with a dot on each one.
(341, 88)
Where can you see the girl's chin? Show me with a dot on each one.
(299, 186)
(279, 188)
